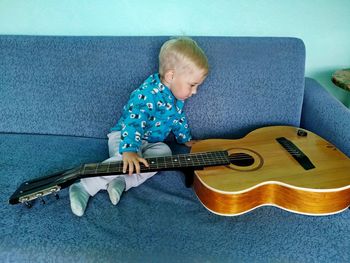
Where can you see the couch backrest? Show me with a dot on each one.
(78, 85)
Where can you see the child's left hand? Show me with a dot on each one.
(191, 143)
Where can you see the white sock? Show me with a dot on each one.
(115, 189)
(79, 198)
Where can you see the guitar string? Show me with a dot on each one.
(172, 159)
(168, 162)
(160, 165)
(175, 162)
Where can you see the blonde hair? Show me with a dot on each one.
(181, 53)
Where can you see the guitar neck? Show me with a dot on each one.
(180, 161)
(42, 186)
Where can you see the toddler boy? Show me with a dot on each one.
(153, 111)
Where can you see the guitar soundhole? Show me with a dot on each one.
(241, 159)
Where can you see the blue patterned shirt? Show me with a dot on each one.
(151, 113)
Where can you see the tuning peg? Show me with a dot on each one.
(42, 201)
(28, 204)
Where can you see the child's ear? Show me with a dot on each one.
(169, 75)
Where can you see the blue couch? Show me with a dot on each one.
(61, 95)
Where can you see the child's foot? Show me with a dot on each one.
(115, 189)
(79, 198)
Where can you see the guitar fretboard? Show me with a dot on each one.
(194, 160)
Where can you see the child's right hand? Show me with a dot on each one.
(131, 159)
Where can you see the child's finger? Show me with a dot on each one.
(137, 166)
(125, 166)
(131, 167)
(144, 161)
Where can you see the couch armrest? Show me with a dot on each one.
(326, 116)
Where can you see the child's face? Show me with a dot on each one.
(185, 83)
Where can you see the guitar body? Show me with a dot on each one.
(262, 172)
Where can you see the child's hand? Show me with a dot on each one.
(131, 159)
(191, 142)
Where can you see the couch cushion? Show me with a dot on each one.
(160, 221)
(78, 85)
(253, 82)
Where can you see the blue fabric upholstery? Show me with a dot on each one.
(60, 96)
(160, 221)
(326, 116)
(250, 82)
(87, 80)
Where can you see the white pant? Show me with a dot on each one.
(147, 150)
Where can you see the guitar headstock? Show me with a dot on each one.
(43, 186)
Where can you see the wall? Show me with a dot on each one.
(323, 25)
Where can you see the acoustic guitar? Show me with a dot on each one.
(288, 167)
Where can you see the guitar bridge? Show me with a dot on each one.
(296, 153)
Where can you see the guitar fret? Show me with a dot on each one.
(207, 158)
(183, 160)
(89, 168)
(197, 161)
(172, 162)
(102, 168)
